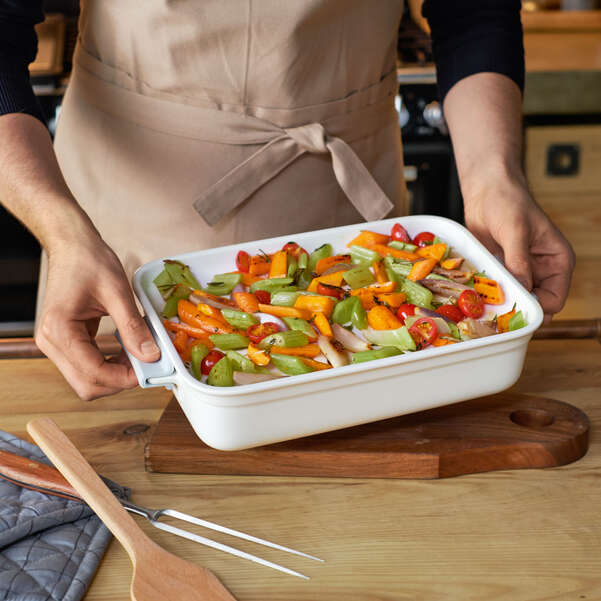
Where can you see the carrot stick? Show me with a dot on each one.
(384, 251)
(438, 341)
(193, 332)
(189, 314)
(220, 299)
(181, 345)
(379, 272)
(309, 350)
(315, 364)
(421, 269)
(453, 263)
(284, 311)
(246, 301)
(384, 287)
(211, 312)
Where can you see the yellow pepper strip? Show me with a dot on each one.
(323, 325)
(334, 279)
(279, 265)
(433, 251)
(315, 304)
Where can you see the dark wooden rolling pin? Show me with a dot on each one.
(22, 348)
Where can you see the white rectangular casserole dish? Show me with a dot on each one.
(241, 417)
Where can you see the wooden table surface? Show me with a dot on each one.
(503, 536)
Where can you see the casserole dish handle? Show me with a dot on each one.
(158, 373)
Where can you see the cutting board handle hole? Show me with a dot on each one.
(532, 418)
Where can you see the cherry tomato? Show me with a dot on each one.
(423, 239)
(329, 290)
(424, 331)
(452, 312)
(399, 233)
(471, 304)
(209, 361)
(257, 332)
(405, 311)
(243, 261)
(293, 249)
(263, 297)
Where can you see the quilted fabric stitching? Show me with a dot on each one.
(49, 547)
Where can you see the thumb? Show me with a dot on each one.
(516, 251)
(132, 328)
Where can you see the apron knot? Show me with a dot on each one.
(311, 137)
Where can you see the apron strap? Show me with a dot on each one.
(243, 180)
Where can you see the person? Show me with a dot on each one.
(193, 124)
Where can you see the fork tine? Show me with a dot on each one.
(206, 524)
(215, 545)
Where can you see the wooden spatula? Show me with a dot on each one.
(158, 575)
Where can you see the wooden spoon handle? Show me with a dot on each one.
(69, 461)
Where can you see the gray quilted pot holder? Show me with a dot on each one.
(50, 547)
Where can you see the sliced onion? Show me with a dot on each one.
(476, 329)
(444, 287)
(335, 357)
(241, 378)
(455, 274)
(263, 317)
(349, 340)
(239, 288)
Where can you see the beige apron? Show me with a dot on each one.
(196, 124)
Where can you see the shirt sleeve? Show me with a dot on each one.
(474, 36)
(18, 48)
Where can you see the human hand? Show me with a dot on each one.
(85, 282)
(505, 218)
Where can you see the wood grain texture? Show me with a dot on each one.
(156, 573)
(21, 348)
(522, 535)
(500, 432)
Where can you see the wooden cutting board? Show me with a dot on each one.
(498, 432)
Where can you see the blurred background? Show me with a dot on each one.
(562, 138)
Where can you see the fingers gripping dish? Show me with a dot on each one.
(289, 311)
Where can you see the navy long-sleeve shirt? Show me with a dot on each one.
(469, 36)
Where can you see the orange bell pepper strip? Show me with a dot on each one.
(259, 265)
(453, 263)
(421, 269)
(368, 239)
(322, 324)
(334, 279)
(279, 265)
(188, 313)
(246, 301)
(489, 290)
(379, 272)
(192, 332)
(367, 298)
(309, 350)
(387, 286)
(382, 318)
(180, 342)
(392, 300)
(327, 262)
(317, 365)
(257, 355)
(284, 311)
(438, 341)
(384, 251)
(433, 251)
(315, 304)
(503, 321)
